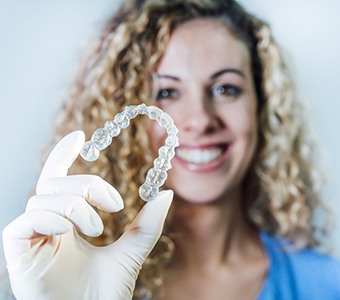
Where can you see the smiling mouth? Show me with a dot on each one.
(201, 155)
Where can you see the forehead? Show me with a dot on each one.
(204, 43)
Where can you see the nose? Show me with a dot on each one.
(200, 116)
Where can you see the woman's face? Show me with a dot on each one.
(206, 86)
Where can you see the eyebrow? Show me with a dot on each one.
(168, 77)
(229, 70)
(213, 76)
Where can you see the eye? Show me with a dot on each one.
(165, 94)
(226, 90)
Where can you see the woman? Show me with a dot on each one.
(240, 226)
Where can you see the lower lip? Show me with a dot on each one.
(204, 167)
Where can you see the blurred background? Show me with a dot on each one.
(41, 43)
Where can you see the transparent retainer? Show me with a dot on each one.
(157, 175)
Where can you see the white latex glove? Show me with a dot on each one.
(46, 257)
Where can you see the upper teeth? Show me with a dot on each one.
(199, 155)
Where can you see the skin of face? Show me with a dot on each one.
(206, 85)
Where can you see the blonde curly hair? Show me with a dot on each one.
(281, 187)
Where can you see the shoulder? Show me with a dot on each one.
(308, 257)
(316, 267)
(307, 270)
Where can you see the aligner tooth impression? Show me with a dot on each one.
(102, 138)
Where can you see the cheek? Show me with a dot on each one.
(242, 120)
(249, 131)
(249, 127)
(243, 125)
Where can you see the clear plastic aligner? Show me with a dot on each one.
(157, 175)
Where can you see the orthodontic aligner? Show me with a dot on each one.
(102, 138)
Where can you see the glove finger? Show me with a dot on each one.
(18, 235)
(137, 242)
(72, 207)
(61, 157)
(93, 188)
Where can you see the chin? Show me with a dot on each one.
(199, 198)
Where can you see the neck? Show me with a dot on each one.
(210, 235)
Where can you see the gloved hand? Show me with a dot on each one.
(46, 257)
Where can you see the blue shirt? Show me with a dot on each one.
(298, 275)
